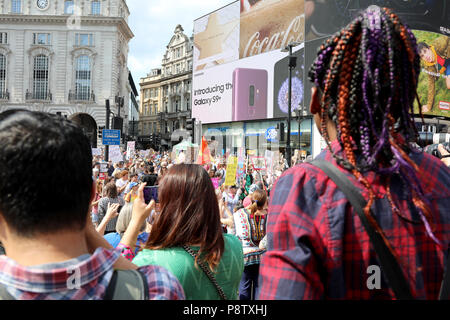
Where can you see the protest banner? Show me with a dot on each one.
(131, 147)
(215, 182)
(115, 154)
(96, 152)
(144, 153)
(269, 156)
(230, 179)
(241, 162)
(258, 163)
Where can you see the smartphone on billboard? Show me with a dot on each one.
(249, 94)
(281, 85)
(151, 193)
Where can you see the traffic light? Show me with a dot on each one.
(100, 132)
(281, 133)
(190, 127)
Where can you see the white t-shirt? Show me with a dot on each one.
(120, 183)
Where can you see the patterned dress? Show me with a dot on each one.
(250, 229)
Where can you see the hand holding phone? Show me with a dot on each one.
(151, 193)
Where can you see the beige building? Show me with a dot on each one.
(150, 105)
(65, 57)
(171, 87)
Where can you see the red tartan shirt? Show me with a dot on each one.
(318, 249)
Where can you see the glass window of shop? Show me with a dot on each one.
(266, 135)
(224, 137)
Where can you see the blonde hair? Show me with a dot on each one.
(259, 199)
(124, 219)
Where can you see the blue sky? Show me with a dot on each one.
(153, 23)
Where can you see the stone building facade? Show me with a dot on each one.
(65, 57)
(169, 89)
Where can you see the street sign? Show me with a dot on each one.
(111, 137)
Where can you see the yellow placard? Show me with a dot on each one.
(230, 179)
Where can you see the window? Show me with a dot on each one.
(2, 74)
(68, 7)
(3, 38)
(177, 103)
(95, 7)
(42, 38)
(40, 77)
(83, 78)
(84, 39)
(16, 6)
(188, 104)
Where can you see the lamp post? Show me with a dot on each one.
(292, 65)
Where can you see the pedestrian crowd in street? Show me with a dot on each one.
(71, 231)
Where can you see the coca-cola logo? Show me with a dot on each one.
(294, 33)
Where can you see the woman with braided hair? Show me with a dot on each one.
(365, 80)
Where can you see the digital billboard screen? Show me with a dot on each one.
(240, 72)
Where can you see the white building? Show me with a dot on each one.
(65, 57)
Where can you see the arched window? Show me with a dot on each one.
(2, 75)
(83, 78)
(40, 78)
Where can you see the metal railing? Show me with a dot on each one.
(4, 95)
(78, 96)
(47, 96)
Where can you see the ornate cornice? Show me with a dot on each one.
(40, 49)
(62, 19)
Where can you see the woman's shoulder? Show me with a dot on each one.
(231, 240)
(158, 256)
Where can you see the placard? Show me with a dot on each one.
(230, 179)
(258, 163)
(115, 154)
(131, 145)
(96, 152)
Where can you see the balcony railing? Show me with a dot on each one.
(4, 95)
(77, 96)
(46, 96)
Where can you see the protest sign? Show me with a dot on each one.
(230, 179)
(241, 162)
(96, 152)
(131, 145)
(215, 182)
(144, 153)
(258, 163)
(115, 154)
(269, 156)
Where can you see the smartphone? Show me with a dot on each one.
(249, 94)
(151, 193)
(281, 86)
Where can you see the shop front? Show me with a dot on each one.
(259, 136)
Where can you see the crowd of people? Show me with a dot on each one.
(76, 232)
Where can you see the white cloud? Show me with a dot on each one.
(153, 23)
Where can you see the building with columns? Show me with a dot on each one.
(169, 89)
(66, 57)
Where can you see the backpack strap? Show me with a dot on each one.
(388, 262)
(4, 294)
(444, 294)
(127, 285)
